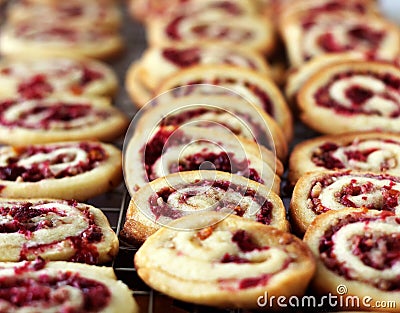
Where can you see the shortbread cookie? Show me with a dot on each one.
(256, 88)
(352, 96)
(169, 149)
(357, 249)
(307, 35)
(43, 39)
(215, 111)
(68, 170)
(364, 151)
(55, 230)
(298, 76)
(38, 77)
(59, 118)
(228, 262)
(148, 10)
(157, 63)
(102, 13)
(319, 192)
(252, 32)
(60, 286)
(190, 193)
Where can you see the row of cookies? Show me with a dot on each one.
(346, 190)
(210, 56)
(45, 102)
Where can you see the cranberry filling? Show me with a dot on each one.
(36, 87)
(323, 155)
(22, 292)
(56, 112)
(223, 161)
(264, 216)
(22, 216)
(153, 150)
(89, 75)
(39, 171)
(390, 196)
(244, 241)
(230, 258)
(83, 244)
(182, 57)
(172, 29)
(388, 247)
(357, 94)
(365, 34)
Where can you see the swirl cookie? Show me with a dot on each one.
(216, 111)
(256, 88)
(148, 10)
(158, 63)
(68, 170)
(352, 96)
(307, 35)
(38, 77)
(62, 287)
(59, 118)
(181, 194)
(172, 149)
(36, 38)
(357, 248)
(320, 192)
(365, 151)
(207, 26)
(101, 13)
(55, 230)
(236, 261)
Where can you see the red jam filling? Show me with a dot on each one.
(264, 216)
(39, 171)
(83, 244)
(244, 241)
(390, 196)
(23, 291)
(58, 112)
(182, 57)
(323, 155)
(36, 87)
(358, 95)
(20, 219)
(363, 247)
(222, 161)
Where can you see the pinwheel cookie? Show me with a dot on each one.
(60, 286)
(256, 88)
(170, 149)
(298, 76)
(307, 34)
(59, 118)
(148, 10)
(352, 96)
(190, 193)
(207, 26)
(38, 77)
(55, 230)
(216, 111)
(357, 249)
(101, 13)
(67, 170)
(43, 39)
(319, 192)
(364, 151)
(235, 260)
(157, 63)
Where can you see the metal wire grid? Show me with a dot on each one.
(149, 300)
